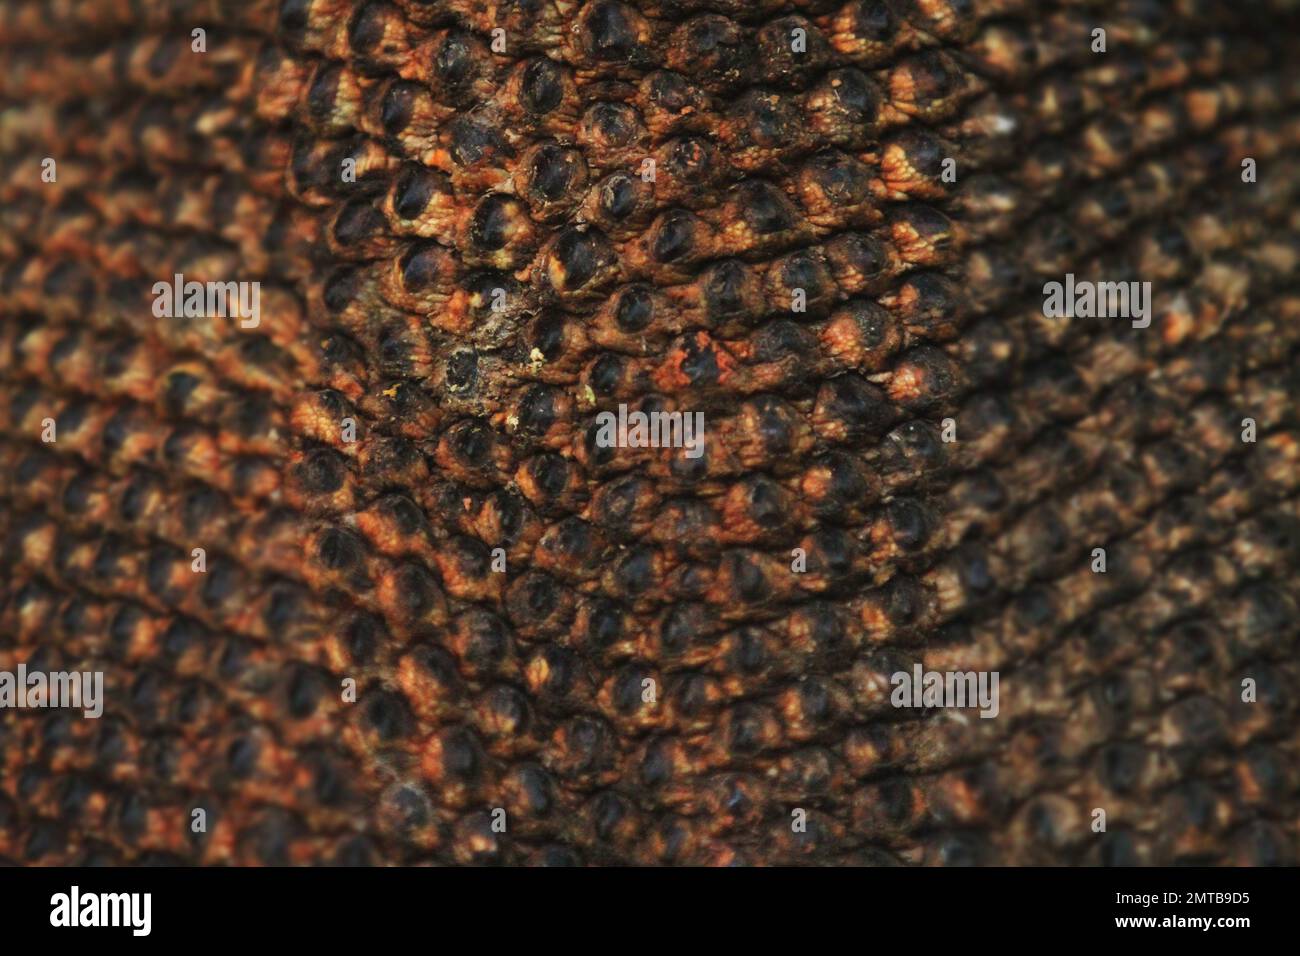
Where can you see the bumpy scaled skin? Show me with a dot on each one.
(523, 169)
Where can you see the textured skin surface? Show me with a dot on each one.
(522, 690)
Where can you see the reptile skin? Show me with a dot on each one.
(503, 265)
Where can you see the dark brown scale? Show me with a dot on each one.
(930, 86)
(499, 233)
(613, 36)
(845, 108)
(611, 133)
(539, 94)
(869, 32)
(577, 265)
(335, 99)
(377, 36)
(554, 180)
(420, 202)
(713, 51)
(621, 204)
(790, 51)
(406, 113)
